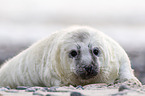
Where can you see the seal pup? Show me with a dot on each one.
(78, 55)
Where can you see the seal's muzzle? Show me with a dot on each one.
(88, 72)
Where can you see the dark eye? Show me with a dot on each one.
(73, 53)
(96, 51)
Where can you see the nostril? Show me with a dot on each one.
(88, 69)
(88, 72)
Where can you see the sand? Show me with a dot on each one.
(88, 90)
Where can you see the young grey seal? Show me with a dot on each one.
(78, 55)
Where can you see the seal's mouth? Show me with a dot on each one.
(88, 72)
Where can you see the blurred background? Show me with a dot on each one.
(23, 22)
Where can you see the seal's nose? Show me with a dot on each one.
(89, 72)
(88, 69)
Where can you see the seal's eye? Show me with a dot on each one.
(73, 53)
(96, 51)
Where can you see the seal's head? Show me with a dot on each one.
(84, 58)
(81, 53)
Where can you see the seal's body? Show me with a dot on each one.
(78, 55)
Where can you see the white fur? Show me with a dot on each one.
(46, 63)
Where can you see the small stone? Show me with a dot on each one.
(35, 88)
(123, 87)
(30, 90)
(45, 89)
(79, 87)
(52, 89)
(111, 84)
(8, 87)
(39, 88)
(75, 94)
(21, 88)
(38, 94)
(3, 89)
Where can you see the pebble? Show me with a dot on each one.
(43, 89)
(123, 87)
(8, 87)
(39, 88)
(3, 89)
(79, 87)
(75, 94)
(21, 88)
(30, 90)
(52, 89)
(46, 88)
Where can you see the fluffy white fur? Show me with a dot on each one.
(46, 63)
